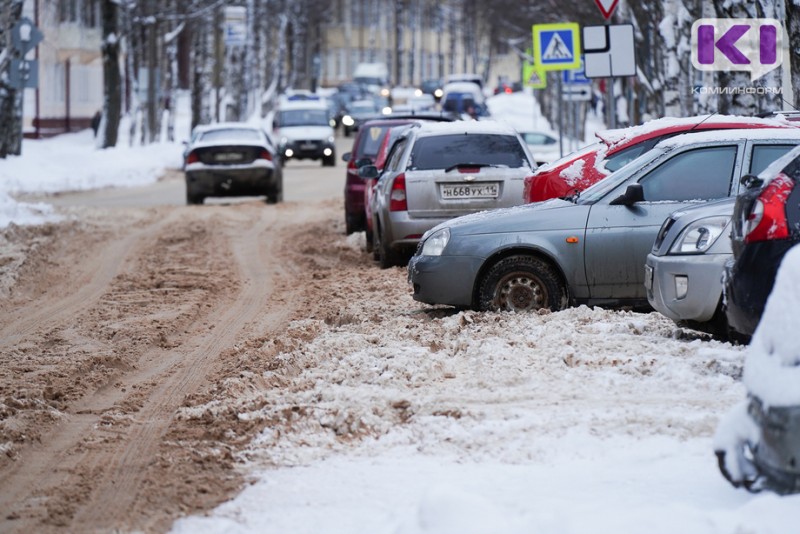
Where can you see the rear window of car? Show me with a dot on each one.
(443, 151)
(231, 134)
(370, 141)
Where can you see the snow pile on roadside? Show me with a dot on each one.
(23, 213)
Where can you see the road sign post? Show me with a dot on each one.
(557, 46)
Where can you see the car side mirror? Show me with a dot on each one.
(363, 161)
(751, 181)
(275, 125)
(346, 156)
(633, 193)
(367, 172)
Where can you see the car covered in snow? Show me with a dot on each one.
(578, 170)
(590, 249)
(757, 442)
(231, 159)
(303, 130)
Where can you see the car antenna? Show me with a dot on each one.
(702, 121)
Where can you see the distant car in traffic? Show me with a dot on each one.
(544, 146)
(359, 112)
(766, 224)
(303, 130)
(576, 171)
(590, 249)
(437, 171)
(232, 159)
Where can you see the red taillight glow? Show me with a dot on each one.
(767, 218)
(192, 158)
(508, 90)
(527, 184)
(265, 155)
(397, 198)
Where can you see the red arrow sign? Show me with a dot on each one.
(607, 7)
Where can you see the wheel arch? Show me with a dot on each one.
(517, 250)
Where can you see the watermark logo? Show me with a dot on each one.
(753, 45)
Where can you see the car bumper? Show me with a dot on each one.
(748, 282)
(404, 232)
(220, 182)
(700, 275)
(307, 150)
(443, 279)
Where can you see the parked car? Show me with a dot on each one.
(684, 270)
(766, 223)
(359, 112)
(576, 171)
(590, 249)
(464, 98)
(757, 442)
(390, 136)
(543, 145)
(304, 130)
(232, 159)
(437, 171)
(365, 149)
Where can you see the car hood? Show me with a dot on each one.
(548, 215)
(305, 132)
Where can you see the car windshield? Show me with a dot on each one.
(536, 138)
(304, 117)
(230, 134)
(445, 151)
(370, 141)
(592, 194)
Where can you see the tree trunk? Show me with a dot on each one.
(10, 98)
(112, 81)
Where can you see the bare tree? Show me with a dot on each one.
(112, 78)
(10, 97)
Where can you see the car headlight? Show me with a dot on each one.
(435, 243)
(331, 139)
(347, 120)
(700, 235)
(386, 110)
(284, 140)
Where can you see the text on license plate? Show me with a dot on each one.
(228, 156)
(489, 190)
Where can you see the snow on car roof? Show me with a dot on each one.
(791, 134)
(620, 135)
(458, 127)
(303, 104)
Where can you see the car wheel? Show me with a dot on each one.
(386, 256)
(194, 198)
(368, 235)
(274, 197)
(521, 283)
(329, 161)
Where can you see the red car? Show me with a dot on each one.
(365, 150)
(576, 171)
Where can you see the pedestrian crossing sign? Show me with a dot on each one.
(557, 46)
(533, 76)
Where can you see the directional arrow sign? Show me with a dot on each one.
(576, 92)
(607, 7)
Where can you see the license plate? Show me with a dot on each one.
(648, 277)
(228, 156)
(452, 191)
(308, 146)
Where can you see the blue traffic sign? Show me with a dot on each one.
(576, 76)
(557, 46)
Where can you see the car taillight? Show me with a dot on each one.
(351, 168)
(192, 158)
(265, 155)
(767, 217)
(397, 198)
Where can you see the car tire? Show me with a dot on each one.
(369, 240)
(194, 198)
(274, 197)
(329, 161)
(350, 224)
(386, 256)
(521, 283)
